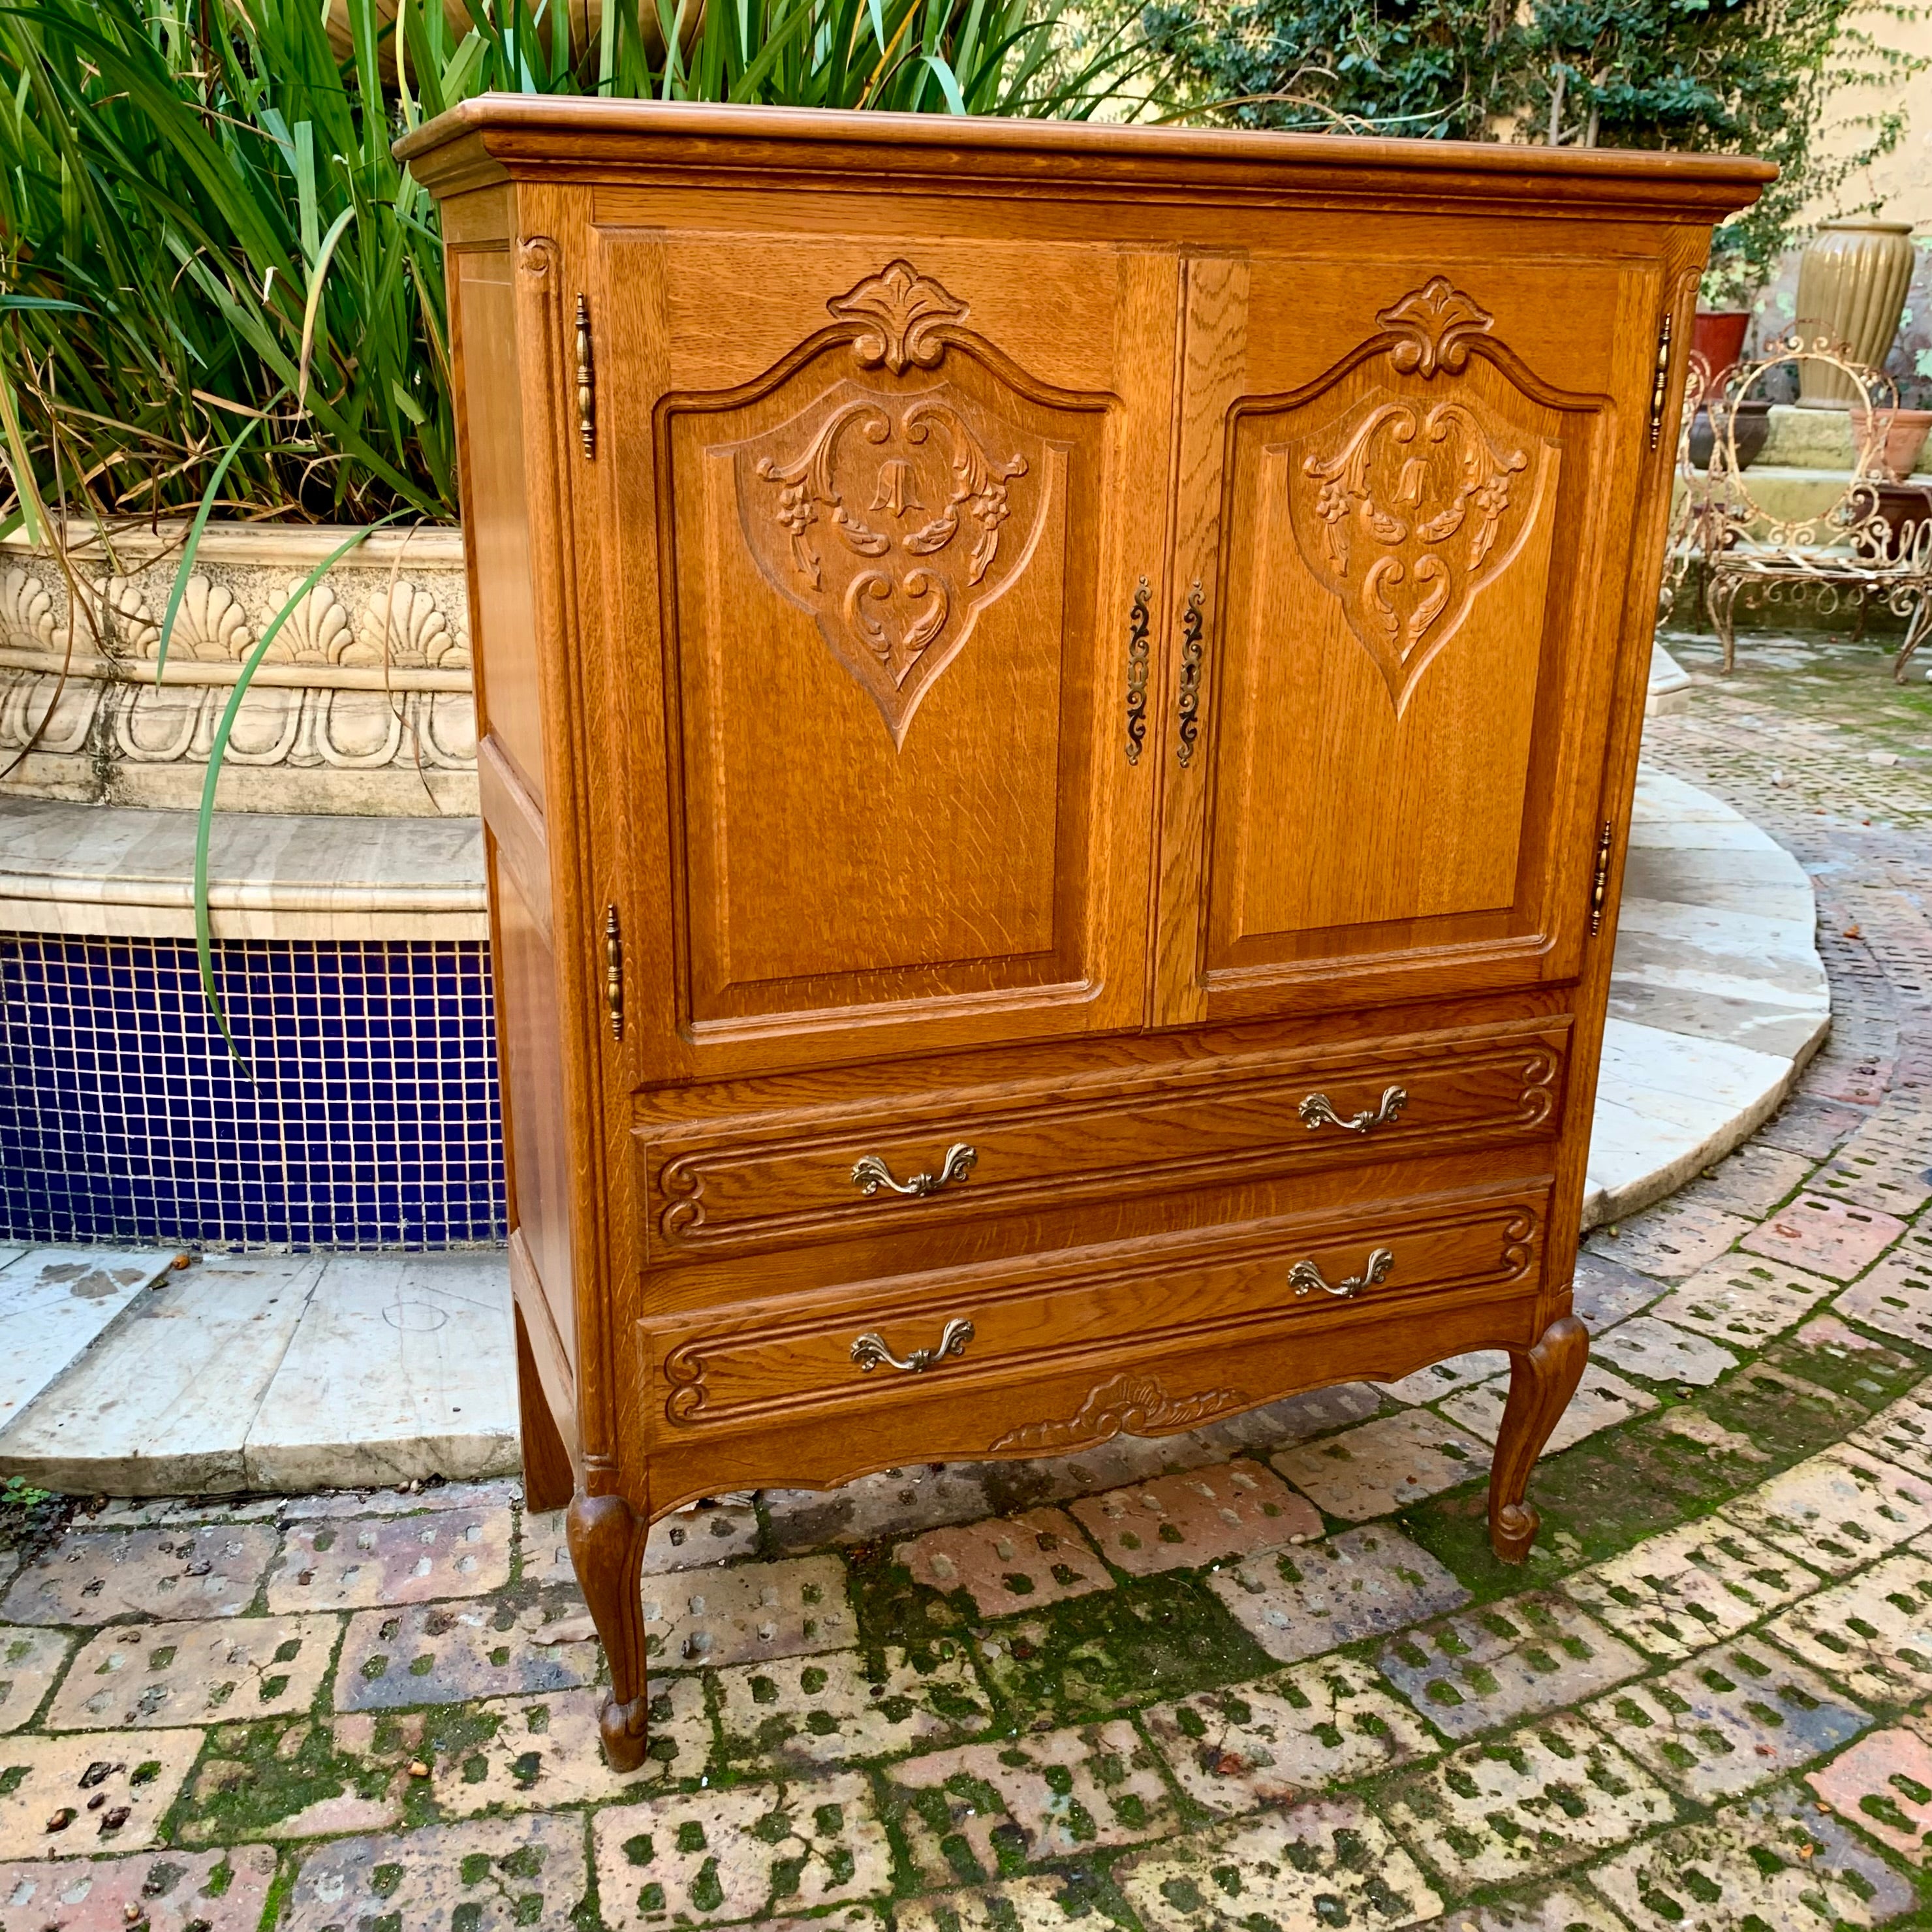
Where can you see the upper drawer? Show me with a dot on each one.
(914, 1162)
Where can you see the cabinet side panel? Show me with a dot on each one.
(533, 1079)
(495, 510)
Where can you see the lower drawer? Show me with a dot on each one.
(958, 1336)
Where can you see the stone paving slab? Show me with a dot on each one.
(1728, 1720)
(55, 1303)
(1383, 1465)
(711, 1857)
(791, 1714)
(1043, 1903)
(530, 1753)
(411, 1559)
(1887, 1164)
(1769, 1862)
(77, 1796)
(1872, 1633)
(1557, 1908)
(1504, 1662)
(30, 1660)
(1743, 1302)
(1286, 1737)
(1659, 1352)
(1601, 1402)
(1011, 1564)
(1752, 1181)
(163, 1892)
(993, 1808)
(1675, 1594)
(1837, 1510)
(1183, 1522)
(1362, 1583)
(94, 1576)
(1529, 1803)
(1329, 1862)
(1825, 1237)
(1895, 1297)
(487, 1875)
(443, 1653)
(1671, 1240)
(1883, 1785)
(229, 1669)
(1441, 1378)
(757, 1611)
(894, 1501)
(1604, 1292)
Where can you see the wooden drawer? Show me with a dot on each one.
(784, 1176)
(772, 1361)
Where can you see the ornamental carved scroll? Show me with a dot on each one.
(894, 511)
(1403, 506)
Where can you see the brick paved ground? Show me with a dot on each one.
(1267, 1677)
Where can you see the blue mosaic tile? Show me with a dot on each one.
(373, 1119)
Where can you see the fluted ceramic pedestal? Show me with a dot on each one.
(1851, 280)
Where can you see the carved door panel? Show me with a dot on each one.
(1411, 550)
(878, 642)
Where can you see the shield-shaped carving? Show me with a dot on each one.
(1404, 510)
(895, 518)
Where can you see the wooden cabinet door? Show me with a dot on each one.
(1408, 490)
(882, 506)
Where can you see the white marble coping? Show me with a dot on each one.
(1718, 996)
(99, 871)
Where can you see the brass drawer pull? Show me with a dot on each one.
(1316, 1112)
(870, 1174)
(870, 1351)
(1305, 1277)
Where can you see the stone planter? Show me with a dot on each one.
(1851, 280)
(363, 705)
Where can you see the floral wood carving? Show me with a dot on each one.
(1129, 1405)
(1404, 511)
(900, 314)
(883, 516)
(1434, 323)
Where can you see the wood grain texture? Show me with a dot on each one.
(813, 662)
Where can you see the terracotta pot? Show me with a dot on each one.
(1753, 429)
(1902, 434)
(1852, 280)
(1717, 335)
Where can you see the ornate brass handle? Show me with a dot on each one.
(1317, 1111)
(870, 1174)
(1305, 1277)
(1137, 674)
(1190, 677)
(870, 1351)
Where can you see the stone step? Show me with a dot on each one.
(276, 1372)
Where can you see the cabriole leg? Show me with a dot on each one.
(1542, 1381)
(606, 1550)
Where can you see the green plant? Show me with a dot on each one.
(1733, 76)
(202, 224)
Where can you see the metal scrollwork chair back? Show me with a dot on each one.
(1849, 551)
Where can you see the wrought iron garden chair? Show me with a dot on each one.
(1865, 548)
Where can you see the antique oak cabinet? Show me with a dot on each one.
(1058, 709)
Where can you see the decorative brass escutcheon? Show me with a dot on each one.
(1188, 725)
(1305, 1277)
(870, 1173)
(1317, 1111)
(1137, 674)
(870, 1351)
